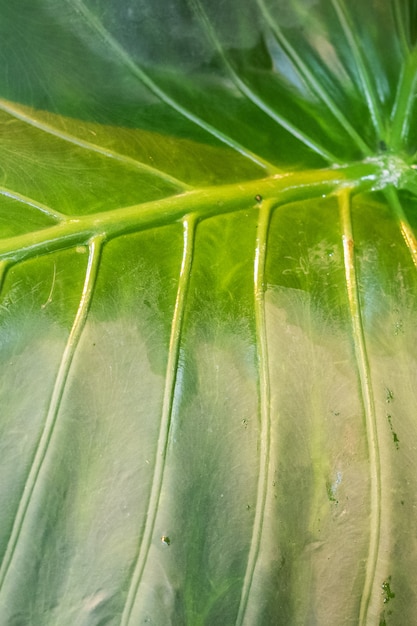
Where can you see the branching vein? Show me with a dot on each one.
(42, 208)
(189, 224)
(54, 406)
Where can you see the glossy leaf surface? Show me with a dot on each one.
(207, 312)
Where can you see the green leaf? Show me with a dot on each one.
(207, 312)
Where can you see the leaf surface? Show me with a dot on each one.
(208, 268)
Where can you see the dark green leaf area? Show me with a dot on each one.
(307, 75)
(56, 67)
(25, 219)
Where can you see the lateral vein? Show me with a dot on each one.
(264, 404)
(189, 226)
(54, 406)
(344, 199)
(17, 112)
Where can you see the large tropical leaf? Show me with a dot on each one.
(208, 314)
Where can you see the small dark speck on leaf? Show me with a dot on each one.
(258, 198)
(166, 540)
(394, 434)
(382, 146)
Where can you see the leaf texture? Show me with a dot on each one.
(207, 312)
